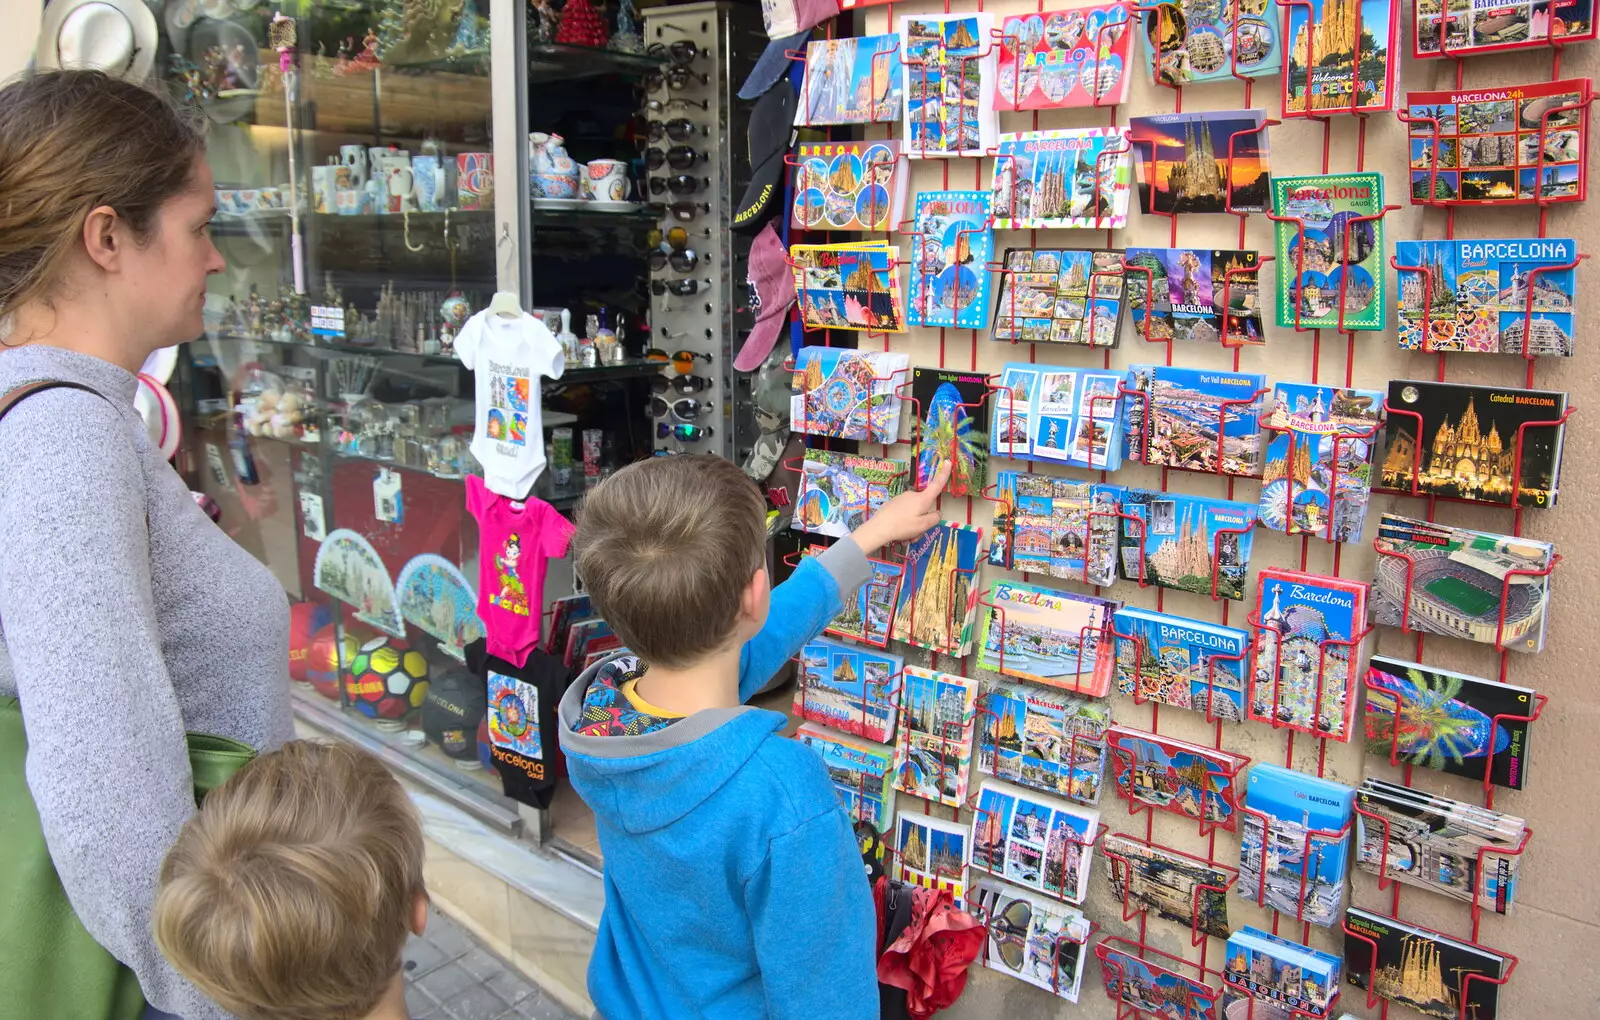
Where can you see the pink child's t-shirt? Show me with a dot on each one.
(515, 539)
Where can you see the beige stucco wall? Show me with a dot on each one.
(19, 25)
(1556, 927)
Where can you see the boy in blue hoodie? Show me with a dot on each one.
(734, 886)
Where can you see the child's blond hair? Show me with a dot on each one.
(290, 893)
(666, 547)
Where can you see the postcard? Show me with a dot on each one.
(1057, 59)
(1331, 257)
(1462, 583)
(857, 185)
(1503, 25)
(1034, 842)
(1327, 39)
(1198, 419)
(1438, 719)
(1050, 637)
(1152, 989)
(1294, 827)
(1509, 145)
(1460, 850)
(867, 616)
(1190, 41)
(940, 593)
(1034, 938)
(853, 689)
(1317, 478)
(1274, 971)
(933, 853)
(1302, 652)
(851, 81)
(1474, 295)
(1190, 543)
(1174, 775)
(1181, 662)
(839, 491)
(1472, 442)
(514, 716)
(952, 244)
(949, 66)
(849, 286)
(1421, 968)
(1056, 180)
(1043, 739)
(1069, 416)
(1210, 162)
(949, 408)
(1060, 296)
(1056, 526)
(1175, 885)
(848, 394)
(933, 754)
(1198, 295)
(860, 774)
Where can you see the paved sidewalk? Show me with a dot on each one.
(449, 976)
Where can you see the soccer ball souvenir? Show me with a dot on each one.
(328, 652)
(387, 679)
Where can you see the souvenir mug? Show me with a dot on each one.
(269, 198)
(355, 158)
(375, 195)
(475, 180)
(325, 181)
(425, 172)
(402, 189)
(348, 201)
(245, 200)
(608, 180)
(226, 199)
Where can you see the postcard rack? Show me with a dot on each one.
(1328, 649)
(1131, 912)
(1296, 437)
(1138, 678)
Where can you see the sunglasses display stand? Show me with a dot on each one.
(710, 48)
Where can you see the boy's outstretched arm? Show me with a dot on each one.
(814, 926)
(814, 594)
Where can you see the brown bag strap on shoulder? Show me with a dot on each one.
(19, 393)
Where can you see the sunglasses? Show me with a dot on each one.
(682, 260)
(684, 408)
(677, 288)
(663, 105)
(1009, 932)
(679, 157)
(672, 237)
(683, 433)
(675, 78)
(682, 361)
(687, 211)
(679, 129)
(682, 184)
(680, 52)
(682, 383)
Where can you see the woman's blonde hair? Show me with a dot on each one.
(70, 142)
(290, 893)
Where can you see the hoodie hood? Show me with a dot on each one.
(647, 782)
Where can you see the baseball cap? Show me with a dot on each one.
(774, 63)
(786, 17)
(771, 293)
(770, 133)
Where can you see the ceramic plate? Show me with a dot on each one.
(617, 207)
(562, 203)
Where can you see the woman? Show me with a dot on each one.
(126, 617)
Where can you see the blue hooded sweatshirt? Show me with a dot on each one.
(734, 885)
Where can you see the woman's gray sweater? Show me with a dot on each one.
(127, 618)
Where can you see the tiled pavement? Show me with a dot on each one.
(449, 976)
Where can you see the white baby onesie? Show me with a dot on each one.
(508, 356)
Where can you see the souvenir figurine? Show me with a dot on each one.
(341, 64)
(253, 312)
(545, 21)
(628, 38)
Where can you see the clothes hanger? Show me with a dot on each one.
(505, 304)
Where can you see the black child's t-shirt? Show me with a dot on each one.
(522, 720)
